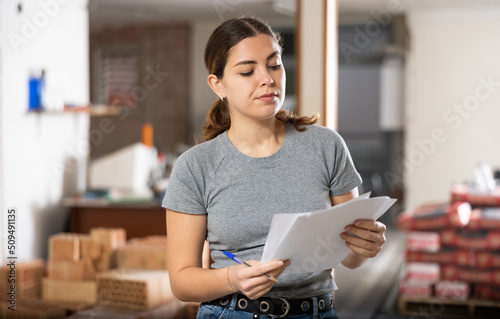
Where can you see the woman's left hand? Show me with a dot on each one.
(365, 237)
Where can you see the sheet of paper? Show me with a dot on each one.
(312, 240)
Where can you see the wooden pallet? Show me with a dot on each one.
(435, 307)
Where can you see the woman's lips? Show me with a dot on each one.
(267, 97)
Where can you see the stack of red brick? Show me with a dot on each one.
(74, 261)
(96, 274)
(453, 249)
(21, 288)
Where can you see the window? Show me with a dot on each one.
(116, 77)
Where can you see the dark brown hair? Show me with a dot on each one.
(219, 45)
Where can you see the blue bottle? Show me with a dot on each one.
(35, 93)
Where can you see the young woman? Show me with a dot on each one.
(257, 161)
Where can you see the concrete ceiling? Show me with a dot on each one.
(116, 12)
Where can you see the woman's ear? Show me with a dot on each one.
(216, 85)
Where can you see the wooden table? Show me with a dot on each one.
(139, 219)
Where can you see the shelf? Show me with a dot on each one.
(67, 109)
(105, 110)
(92, 110)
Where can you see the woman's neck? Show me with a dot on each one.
(257, 139)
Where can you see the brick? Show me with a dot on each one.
(33, 309)
(110, 238)
(71, 270)
(145, 253)
(28, 279)
(106, 262)
(65, 246)
(69, 290)
(90, 247)
(134, 289)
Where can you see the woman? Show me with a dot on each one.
(257, 160)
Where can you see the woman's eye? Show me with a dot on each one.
(275, 67)
(247, 74)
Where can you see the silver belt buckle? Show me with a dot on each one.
(284, 307)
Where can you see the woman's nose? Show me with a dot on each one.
(266, 78)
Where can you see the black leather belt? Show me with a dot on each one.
(275, 307)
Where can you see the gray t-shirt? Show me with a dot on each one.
(240, 194)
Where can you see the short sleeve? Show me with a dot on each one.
(343, 174)
(185, 190)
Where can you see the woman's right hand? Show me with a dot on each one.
(251, 281)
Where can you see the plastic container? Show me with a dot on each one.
(35, 84)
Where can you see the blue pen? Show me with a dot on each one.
(239, 261)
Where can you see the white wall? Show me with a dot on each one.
(452, 113)
(42, 156)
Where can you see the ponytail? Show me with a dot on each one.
(297, 121)
(218, 120)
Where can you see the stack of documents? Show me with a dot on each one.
(312, 240)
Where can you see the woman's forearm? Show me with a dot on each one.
(353, 260)
(195, 284)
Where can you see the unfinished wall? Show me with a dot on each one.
(164, 55)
